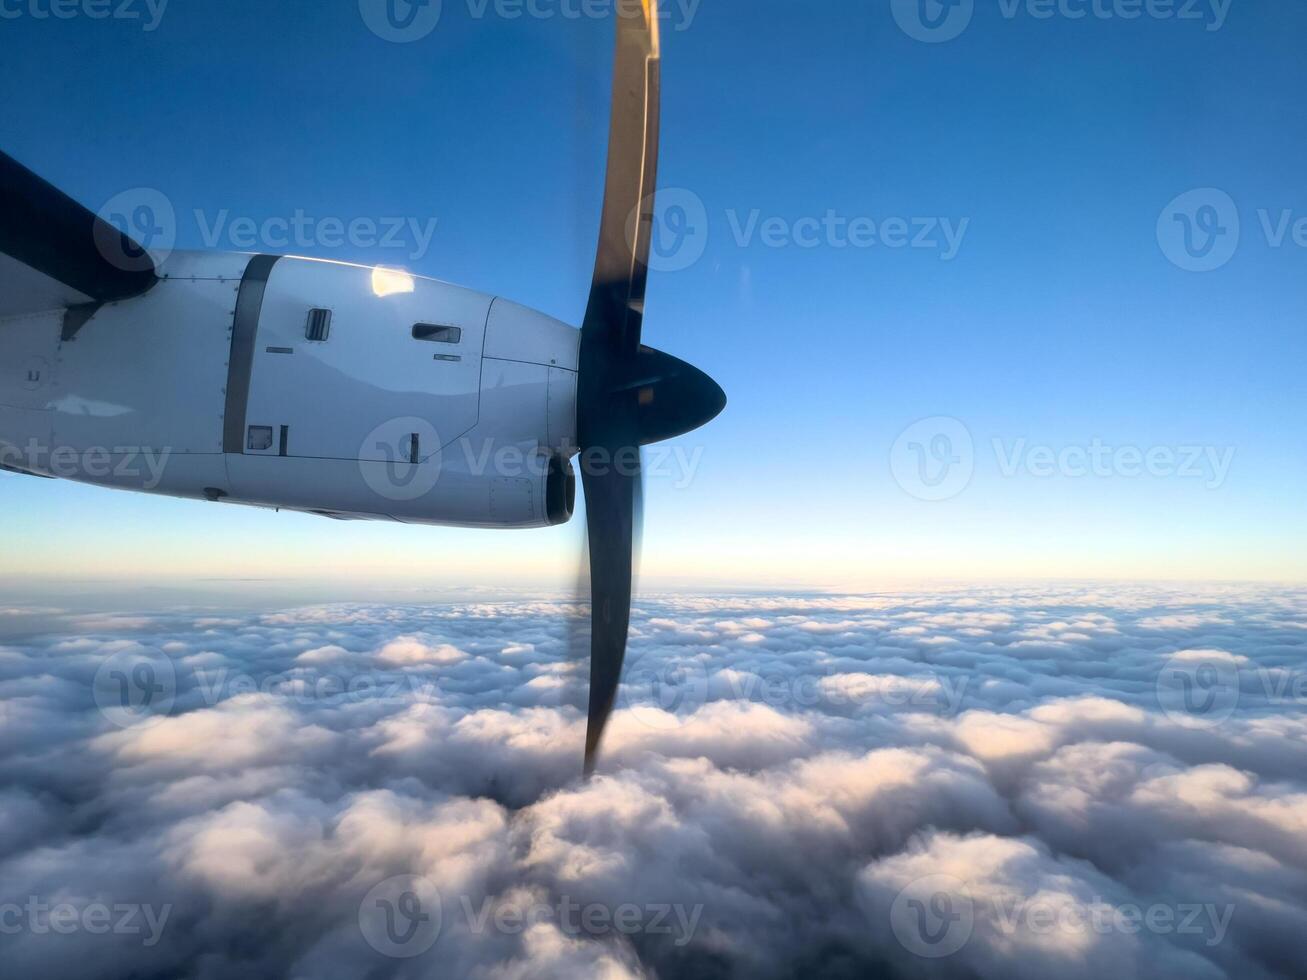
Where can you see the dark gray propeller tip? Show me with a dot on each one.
(628, 395)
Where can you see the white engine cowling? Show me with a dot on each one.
(343, 390)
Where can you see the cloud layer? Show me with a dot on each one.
(1071, 781)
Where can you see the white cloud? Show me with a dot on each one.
(779, 770)
(408, 651)
(323, 655)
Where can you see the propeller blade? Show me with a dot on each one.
(615, 311)
(608, 408)
(613, 515)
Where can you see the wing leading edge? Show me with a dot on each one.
(55, 253)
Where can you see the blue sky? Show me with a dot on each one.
(1058, 324)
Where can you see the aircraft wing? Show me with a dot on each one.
(55, 253)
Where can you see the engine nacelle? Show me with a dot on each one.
(343, 390)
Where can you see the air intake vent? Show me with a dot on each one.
(437, 333)
(319, 328)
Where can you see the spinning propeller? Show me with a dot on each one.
(628, 395)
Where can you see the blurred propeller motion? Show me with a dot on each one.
(628, 395)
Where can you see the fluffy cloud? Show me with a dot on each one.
(408, 651)
(969, 783)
